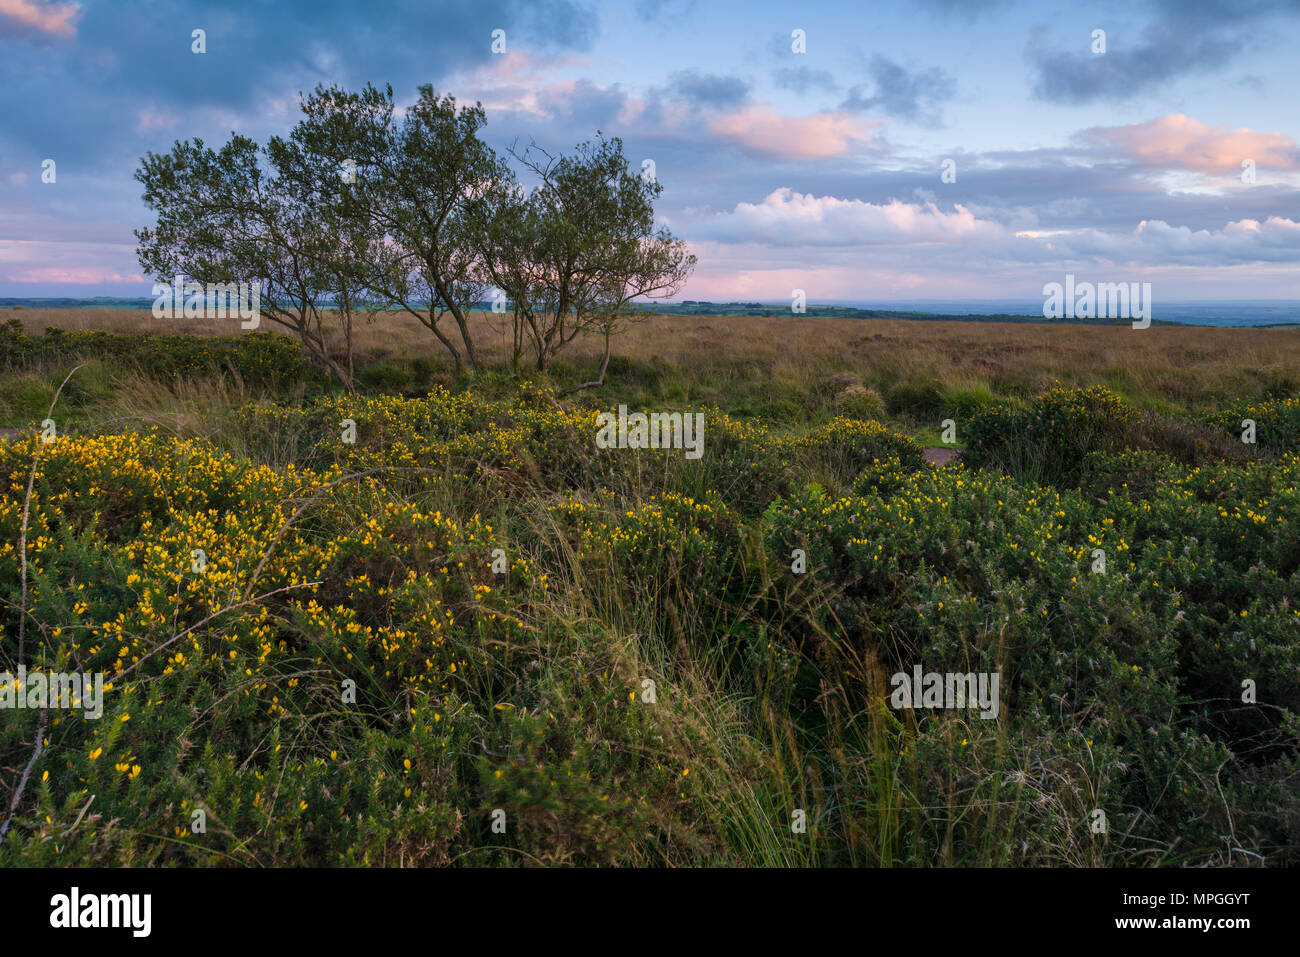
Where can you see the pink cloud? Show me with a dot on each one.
(786, 218)
(763, 129)
(819, 283)
(515, 80)
(1177, 141)
(58, 19)
(73, 277)
(517, 66)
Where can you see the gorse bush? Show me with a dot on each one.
(466, 613)
(1054, 437)
(1277, 423)
(1145, 661)
(1049, 437)
(508, 447)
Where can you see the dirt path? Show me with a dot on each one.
(937, 455)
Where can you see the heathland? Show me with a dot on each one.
(432, 622)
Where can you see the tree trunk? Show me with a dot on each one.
(604, 365)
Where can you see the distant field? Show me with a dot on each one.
(788, 368)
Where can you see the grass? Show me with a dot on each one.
(747, 365)
(766, 594)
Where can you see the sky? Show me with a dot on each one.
(865, 151)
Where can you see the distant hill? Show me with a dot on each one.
(1263, 313)
(688, 308)
(696, 308)
(65, 302)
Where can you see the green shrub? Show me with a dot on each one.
(262, 359)
(860, 402)
(501, 590)
(844, 447)
(1048, 439)
(922, 399)
(1277, 424)
(963, 402)
(385, 377)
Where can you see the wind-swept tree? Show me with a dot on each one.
(352, 246)
(361, 208)
(576, 251)
(415, 178)
(240, 214)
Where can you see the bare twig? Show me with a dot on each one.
(31, 763)
(197, 625)
(266, 556)
(27, 506)
(22, 619)
(84, 809)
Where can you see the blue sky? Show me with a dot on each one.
(818, 170)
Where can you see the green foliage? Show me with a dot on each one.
(1047, 439)
(1277, 423)
(261, 359)
(572, 253)
(524, 689)
(385, 377)
(365, 207)
(860, 402)
(964, 401)
(1142, 664)
(922, 399)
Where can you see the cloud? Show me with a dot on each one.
(583, 103)
(786, 218)
(664, 11)
(77, 263)
(803, 79)
(521, 66)
(793, 230)
(1183, 39)
(965, 9)
(74, 277)
(147, 120)
(1243, 241)
(255, 56)
(1121, 74)
(764, 130)
(39, 16)
(1155, 242)
(865, 211)
(709, 89)
(900, 92)
(1177, 141)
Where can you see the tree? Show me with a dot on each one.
(415, 181)
(240, 214)
(576, 251)
(359, 209)
(351, 246)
